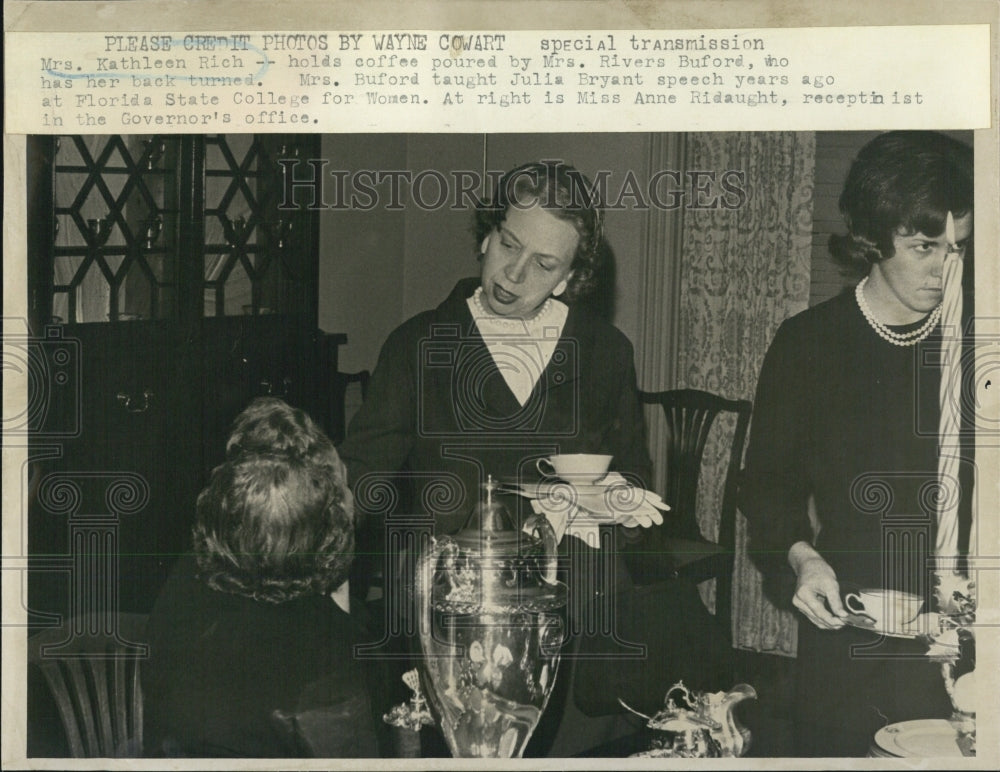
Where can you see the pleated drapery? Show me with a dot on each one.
(744, 270)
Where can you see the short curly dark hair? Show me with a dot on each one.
(901, 182)
(567, 194)
(276, 520)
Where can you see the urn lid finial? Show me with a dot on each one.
(490, 524)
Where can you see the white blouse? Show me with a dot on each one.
(521, 348)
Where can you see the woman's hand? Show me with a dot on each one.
(817, 594)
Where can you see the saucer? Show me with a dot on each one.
(925, 739)
(923, 624)
(578, 479)
(560, 487)
(592, 489)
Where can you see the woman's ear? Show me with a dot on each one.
(485, 245)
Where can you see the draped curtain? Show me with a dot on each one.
(743, 271)
(657, 343)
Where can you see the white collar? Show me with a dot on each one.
(521, 348)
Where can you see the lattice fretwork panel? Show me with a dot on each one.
(116, 220)
(177, 227)
(252, 265)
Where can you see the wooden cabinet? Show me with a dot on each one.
(182, 285)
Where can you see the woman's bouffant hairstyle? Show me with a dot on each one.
(902, 182)
(567, 194)
(276, 521)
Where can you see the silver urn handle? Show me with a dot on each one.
(538, 525)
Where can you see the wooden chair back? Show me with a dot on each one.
(689, 415)
(92, 668)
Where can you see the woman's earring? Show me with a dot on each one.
(560, 288)
(484, 246)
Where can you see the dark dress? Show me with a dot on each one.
(851, 420)
(220, 664)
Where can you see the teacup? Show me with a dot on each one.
(891, 610)
(584, 467)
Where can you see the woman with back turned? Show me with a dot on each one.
(251, 639)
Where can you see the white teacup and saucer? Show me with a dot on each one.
(580, 469)
(886, 612)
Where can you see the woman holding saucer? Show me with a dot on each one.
(511, 366)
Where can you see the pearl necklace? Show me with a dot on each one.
(521, 348)
(508, 321)
(896, 338)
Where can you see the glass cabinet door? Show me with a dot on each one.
(175, 227)
(254, 258)
(115, 218)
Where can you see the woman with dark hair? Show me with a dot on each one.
(251, 638)
(843, 447)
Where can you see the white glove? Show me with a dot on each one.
(580, 510)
